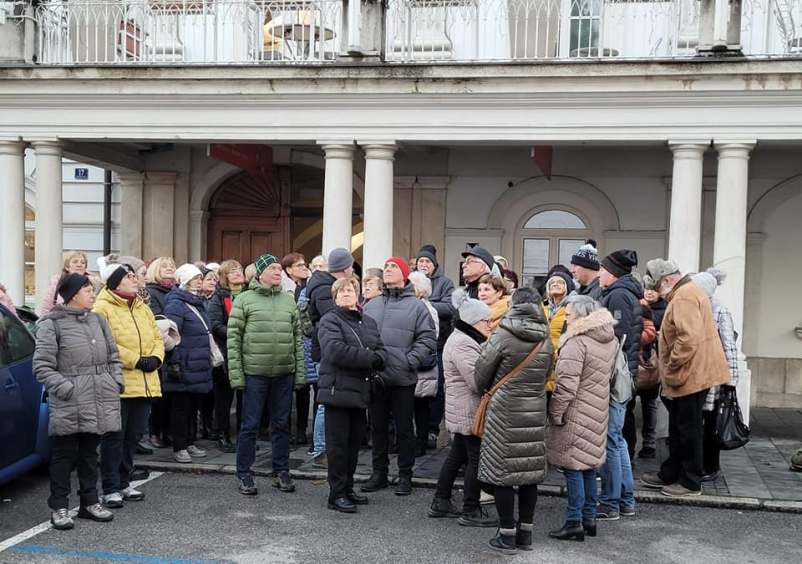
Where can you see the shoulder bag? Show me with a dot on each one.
(217, 356)
(731, 431)
(478, 429)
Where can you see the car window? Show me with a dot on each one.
(15, 342)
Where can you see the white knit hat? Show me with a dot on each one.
(710, 279)
(187, 272)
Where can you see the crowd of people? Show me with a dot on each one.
(383, 359)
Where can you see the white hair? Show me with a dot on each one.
(421, 282)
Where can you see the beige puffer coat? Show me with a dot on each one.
(513, 452)
(459, 360)
(576, 434)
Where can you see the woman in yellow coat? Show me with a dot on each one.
(494, 292)
(142, 352)
(558, 288)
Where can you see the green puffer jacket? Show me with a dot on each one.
(264, 336)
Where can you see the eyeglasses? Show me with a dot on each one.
(556, 282)
(132, 276)
(474, 261)
(235, 271)
(299, 265)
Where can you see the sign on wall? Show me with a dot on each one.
(81, 174)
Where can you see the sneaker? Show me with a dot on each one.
(710, 476)
(61, 520)
(678, 490)
(156, 441)
(320, 461)
(311, 449)
(115, 500)
(486, 498)
(478, 518)
(283, 481)
(375, 483)
(647, 452)
(247, 485)
(131, 494)
(625, 511)
(195, 452)
(95, 512)
(653, 480)
(138, 474)
(443, 508)
(604, 513)
(182, 456)
(431, 443)
(796, 461)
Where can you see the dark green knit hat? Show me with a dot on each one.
(429, 252)
(263, 262)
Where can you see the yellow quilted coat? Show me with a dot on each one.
(137, 336)
(555, 331)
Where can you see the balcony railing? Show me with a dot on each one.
(208, 32)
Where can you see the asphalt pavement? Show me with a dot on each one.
(202, 519)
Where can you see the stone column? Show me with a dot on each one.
(338, 196)
(12, 218)
(158, 215)
(420, 214)
(685, 221)
(197, 235)
(49, 215)
(378, 204)
(131, 202)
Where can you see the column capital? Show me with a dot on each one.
(131, 179)
(14, 148)
(382, 151)
(734, 149)
(160, 178)
(50, 148)
(344, 150)
(689, 149)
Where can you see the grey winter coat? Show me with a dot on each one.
(513, 451)
(79, 364)
(407, 331)
(442, 288)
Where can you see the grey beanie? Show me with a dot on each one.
(339, 260)
(470, 310)
(709, 280)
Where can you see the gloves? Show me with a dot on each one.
(148, 363)
(379, 362)
(174, 371)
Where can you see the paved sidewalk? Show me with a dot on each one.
(756, 476)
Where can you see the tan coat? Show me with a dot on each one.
(691, 356)
(459, 360)
(576, 432)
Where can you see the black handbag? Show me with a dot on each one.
(731, 431)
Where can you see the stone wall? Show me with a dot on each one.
(777, 382)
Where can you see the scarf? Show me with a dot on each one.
(127, 297)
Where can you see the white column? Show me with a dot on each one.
(338, 196)
(158, 215)
(12, 219)
(49, 222)
(378, 204)
(197, 235)
(685, 221)
(131, 201)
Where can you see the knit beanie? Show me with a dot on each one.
(185, 273)
(71, 285)
(340, 260)
(569, 282)
(263, 262)
(587, 255)
(620, 263)
(400, 263)
(470, 310)
(709, 280)
(429, 252)
(112, 271)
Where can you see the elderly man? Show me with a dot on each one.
(692, 361)
(478, 262)
(585, 270)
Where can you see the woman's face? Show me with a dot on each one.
(371, 289)
(346, 297)
(166, 270)
(484, 326)
(196, 283)
(651, 296)
(84, 299)
(570, 317)
(298, 271)
(236, 276)
(77, 265)
(142, 276)
(210, 283)
(556, 288)
(488, 294)
(129, 284)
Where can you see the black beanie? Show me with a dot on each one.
(117, 276)
(620, 263)
(71, 285)
(429, 252)
(587, 255)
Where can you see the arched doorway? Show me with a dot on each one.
(249, 215)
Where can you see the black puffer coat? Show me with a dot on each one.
(622, 299)
(218, 312)
(593, 290)
(513, 451)
(407, 331)
(352, 350)
(318, 293)
(158, 297)
(442, 288)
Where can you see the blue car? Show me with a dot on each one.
(23, 402)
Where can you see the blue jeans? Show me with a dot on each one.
(616, 474)
(581, 487)
(319, 436)
(260, 389)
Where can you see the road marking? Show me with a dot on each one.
(109, 556)
(41, 528)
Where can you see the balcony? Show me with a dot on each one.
(306, 32)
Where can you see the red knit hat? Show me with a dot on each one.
(402, 264)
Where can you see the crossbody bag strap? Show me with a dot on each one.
(196, 312)
(357, 336)
(517, 369)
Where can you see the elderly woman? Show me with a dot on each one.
(462, 350)
(426, 388)
(493, 291)
(512, 452)
(372, 284)
(78, 362)
(351, 352)
(559, 287)
(189, 367)
(75, 262)
(161, 279)
(576, 433)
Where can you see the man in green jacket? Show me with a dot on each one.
(266, 358)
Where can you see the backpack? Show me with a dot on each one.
(621, 378)
(305, 315)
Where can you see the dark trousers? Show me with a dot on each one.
(117, 449)
(648, 402)
(223, 396)
(73, 451)
(345, 427)
(276, 392)
(160, 411)
(185, 409)
(438, 401)
(422, 407)
(710, 449)
(464, 451)
(505, 504)
(302, 407)
(400, 401)
(685, 440)
(206, 405)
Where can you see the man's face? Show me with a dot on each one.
(605, 278)
(666, 285)
(473, 268)
(413, 264)
(393, 277)
(583, 275)
(271, 276)
(426, 266)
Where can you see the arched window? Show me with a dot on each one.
(550, 237)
